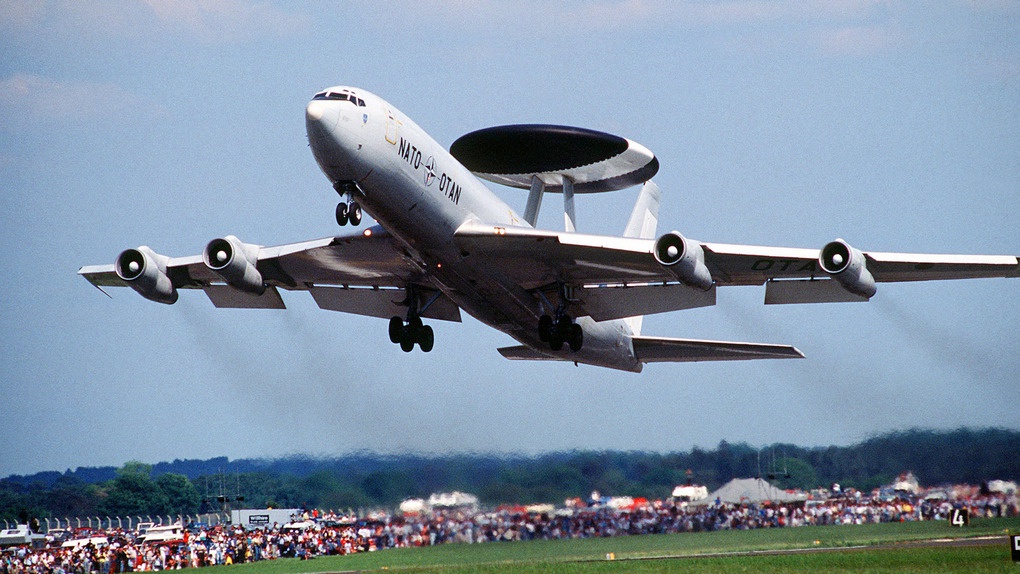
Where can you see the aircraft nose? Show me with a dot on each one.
(321, 117)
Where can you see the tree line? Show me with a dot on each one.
(368, 480)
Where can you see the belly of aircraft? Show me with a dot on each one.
(486, 298)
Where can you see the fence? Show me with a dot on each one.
(123, 522)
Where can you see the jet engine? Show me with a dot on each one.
(144, 270)
(848, 266)
(235, 262)
(685, 259)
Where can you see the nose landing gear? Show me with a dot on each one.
(348, 211)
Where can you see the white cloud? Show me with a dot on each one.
(20, 13)
(227, 20)
(859, 40)
(27, 99)
(211, 21)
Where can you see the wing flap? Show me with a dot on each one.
(617, 302)
(226, 297)
(383, 303)
(668, 350)
(784, 292)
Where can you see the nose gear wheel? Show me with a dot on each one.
(347, 211)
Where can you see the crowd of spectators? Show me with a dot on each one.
(331, 534)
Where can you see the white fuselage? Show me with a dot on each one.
(421, 194)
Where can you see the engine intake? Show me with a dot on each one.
(144, 270)
(685, 259)
(848, 266)
(235, 262)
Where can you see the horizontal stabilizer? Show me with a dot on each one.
(666, 350)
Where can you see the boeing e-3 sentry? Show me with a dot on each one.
(444, 242)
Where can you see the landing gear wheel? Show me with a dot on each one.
(545, 328)
(408, 334)
(556, 342)
(341, 214)
(576, 339)
(563, 326)
(426, 338)
(396, 329)
(354, 213)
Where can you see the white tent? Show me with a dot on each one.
(690, 492)
(750, 490)
(453, 500)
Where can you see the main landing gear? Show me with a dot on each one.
(347, 211)
(413, 332)
(561, 330)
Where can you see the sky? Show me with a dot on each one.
(894, 125)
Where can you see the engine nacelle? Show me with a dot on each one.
(848, 266)
(235, 262)
(144, 270)
(685, 259)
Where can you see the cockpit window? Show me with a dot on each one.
(342, 96)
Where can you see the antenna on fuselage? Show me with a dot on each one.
(555, 159)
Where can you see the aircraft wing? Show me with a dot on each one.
(618, 277)
(533, 258)
(366, 273)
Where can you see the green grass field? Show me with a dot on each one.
(887, 550)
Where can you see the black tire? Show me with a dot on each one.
(407, 339)
(563, 327)
(545, 328)
(426, 338)
(354, 214)
(396, 329)
(556, 342)
(341, 214)
(576, 337)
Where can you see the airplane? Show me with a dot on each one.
(444, 242)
